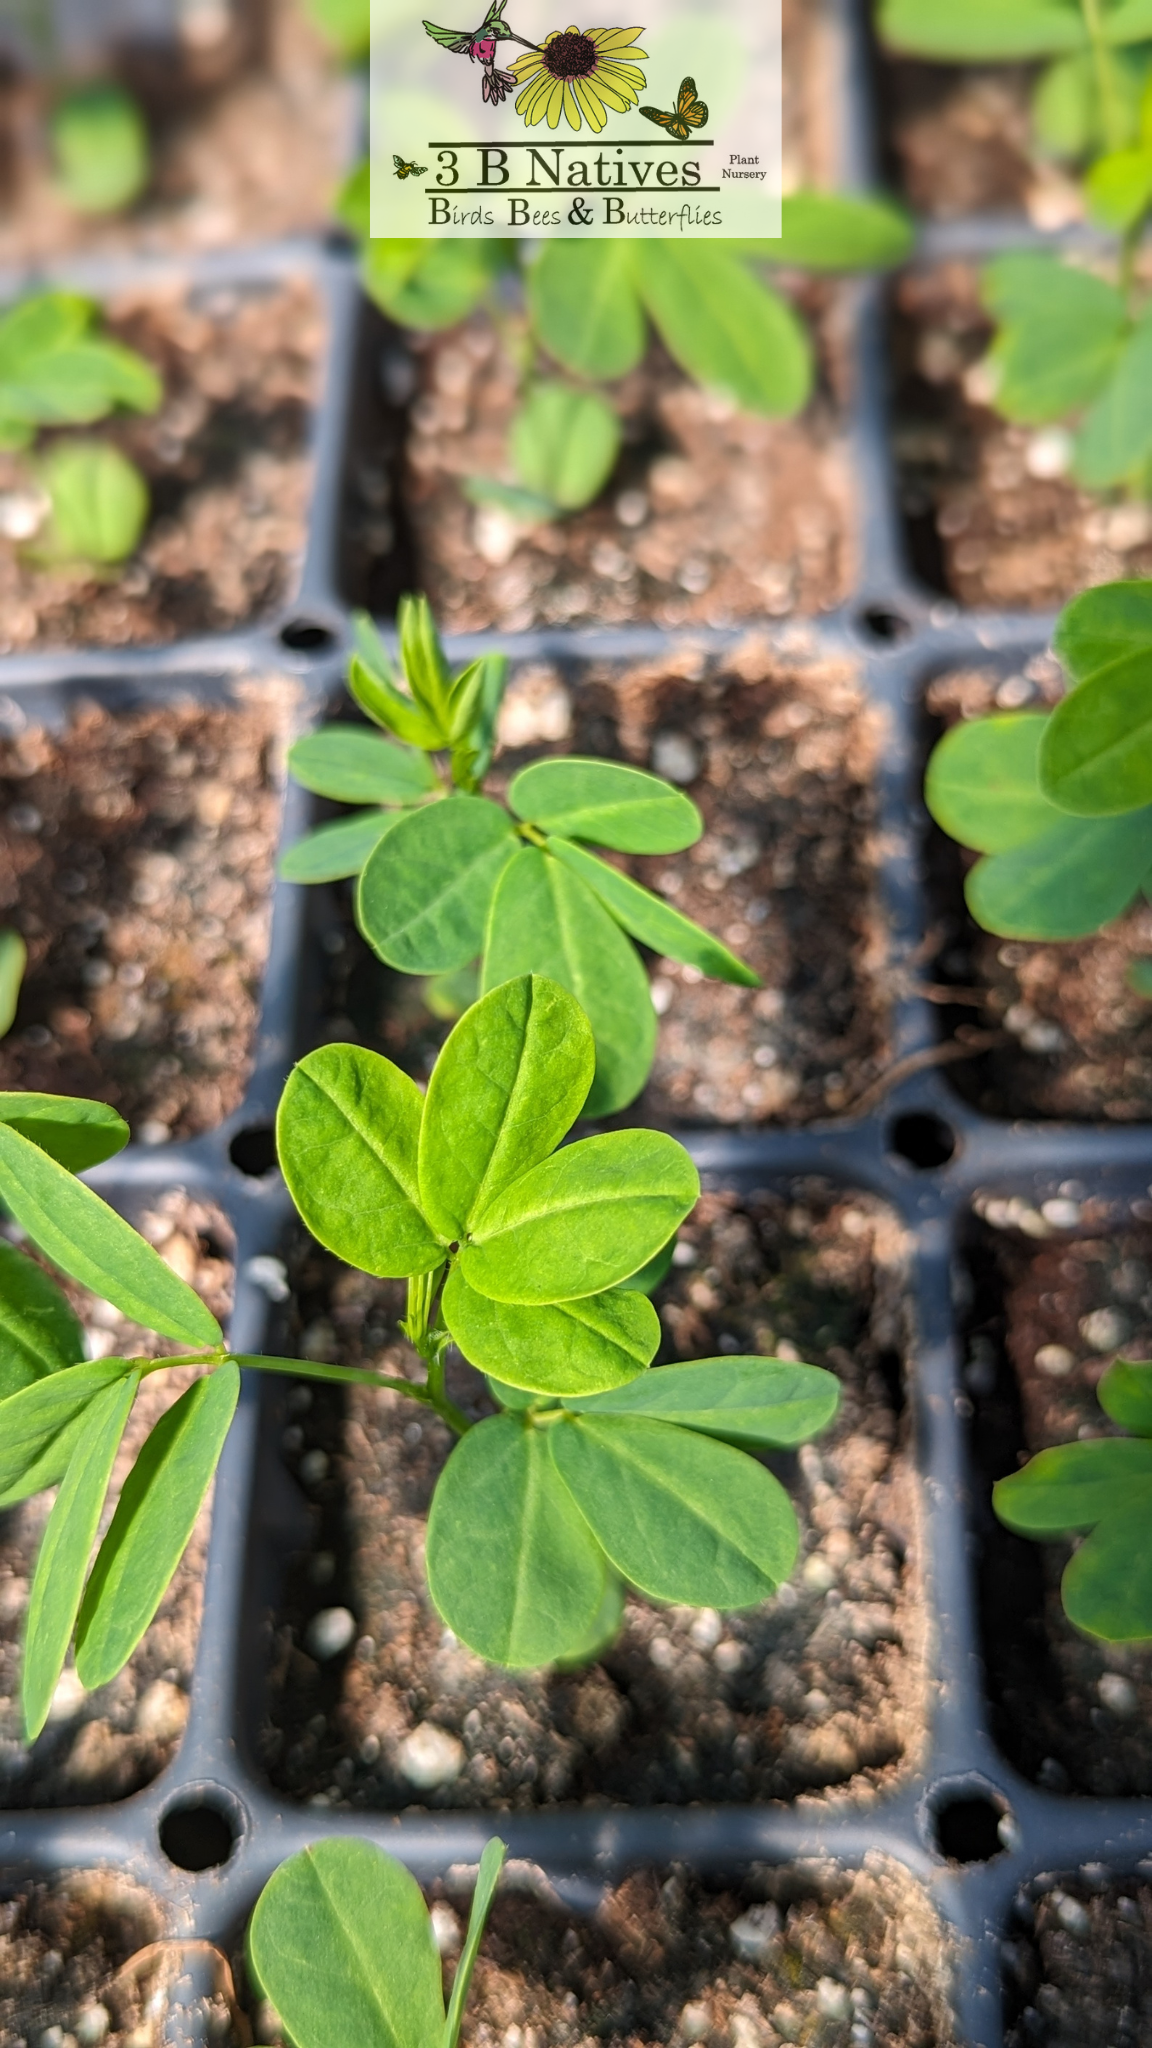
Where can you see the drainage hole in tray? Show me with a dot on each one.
(877, 623)
(970, 1827)
(253, 1150)
(198, 1836)
(921, 1139)
(307, 636)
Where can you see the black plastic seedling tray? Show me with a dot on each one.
(964, 1822)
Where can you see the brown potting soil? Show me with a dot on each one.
(105, 1744)
(803, 1953)
(778, 753)
(821, 1687)
(1080, 1975)
(1050, 1313)
(1064, 1034)
(136, 853)
(249, 144)
(227, 465)
(711, 515)
(960, 139)
(989, 521)
(66, 1961)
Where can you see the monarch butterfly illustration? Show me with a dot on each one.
(690, 112)
(404, 170)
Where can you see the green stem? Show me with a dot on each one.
(1111, 107)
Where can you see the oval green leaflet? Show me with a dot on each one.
(341, 1942)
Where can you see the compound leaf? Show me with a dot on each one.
(347, 1133)
(648, 918)
(334, 851)
(584, 307)
(545, 921)
(88, 1240)
(766, 1401)
(425, 892)
(38, 1332)
(723, 326)
(510, 1080)
(983, 782)
(581, 1220)
(359, 767)
(99, 503)
(512, 1565)
(570, 1347)
(62, 1562)
(428, 284)
(680, 1516)
(72, 1130)
(154, 1518)
(606, 801)
(1066, 884)
(341, 1942)
(100, 141)
(371, 684)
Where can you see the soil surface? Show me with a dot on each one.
(136, 853)
(822, 1686)
(227, 465)
(992, 518)
(105, 1744)
(840, 1959)
(66, 1961)
(1079, 1967)
(710, 514)
(1072, 1713)
(779, 754)
(1066, 1036)
(250, 137)
(960, 142)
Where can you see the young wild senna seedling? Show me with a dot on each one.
(1103, 1486)
(1059, 803)
(55, 371)
(596, 1470)
(447, 874)
(586, 310)
(342, 1943)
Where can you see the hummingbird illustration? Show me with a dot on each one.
(479, 46)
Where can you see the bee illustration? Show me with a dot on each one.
(690, 112)
(404, 170)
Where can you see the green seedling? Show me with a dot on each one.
(589, 309)
(1088, 95)
(55, 371)
(597, 1470)
(1073, 343)
(100, 143)
(1059, 803)
(448, 875)
(342, 1943)
(1102, 1486)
